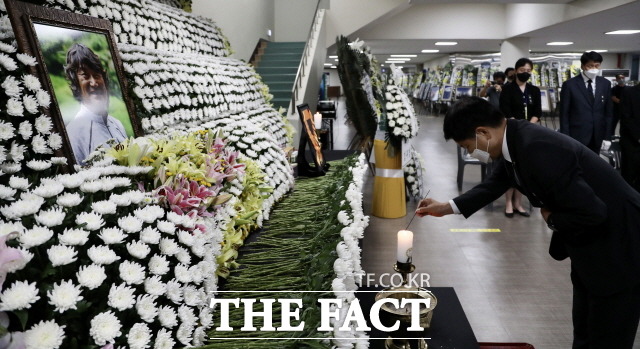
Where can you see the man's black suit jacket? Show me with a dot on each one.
(582, 117)
(596, 213)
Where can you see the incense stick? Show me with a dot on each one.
(416, 211)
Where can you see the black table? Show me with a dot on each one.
(449, 327)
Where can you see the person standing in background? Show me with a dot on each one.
(520, 100)
(586, 106)
(493, 88)
(511, 75)
(630, 136)
(616, 96)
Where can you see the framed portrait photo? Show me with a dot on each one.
(309, 136)
(81, 69)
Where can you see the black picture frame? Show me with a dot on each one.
(309, 136)
(25, 18)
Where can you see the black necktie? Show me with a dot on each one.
(590, 89)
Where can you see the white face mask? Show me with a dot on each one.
(481, 155)
(592, 73)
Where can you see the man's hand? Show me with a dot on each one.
(430, 207)
(545, 213)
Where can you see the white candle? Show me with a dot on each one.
(405, 245)
(317, 120)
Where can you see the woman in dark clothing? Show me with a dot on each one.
(520, 100)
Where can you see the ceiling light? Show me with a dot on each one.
(559, 43)
(430, 51)
(333, 56)
(400, 67)
(623, 32)
(335, 60)
(382, 65)
(404, 55)
(399, 59)
(446, 43)
(333, 66)
(597, 50)
(328, 64)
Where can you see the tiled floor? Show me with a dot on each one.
(509, 287)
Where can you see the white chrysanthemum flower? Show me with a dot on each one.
(138, 249)
(136, 196)
(17, 151)
(48, 189)
(58, 160)
(39, 165)
(130, 224)
(120, 200)
(186, 238)
(102, 255)
(185, 333)
(199, 336)
(132, 273)
(121, 297)
(150, 235)
(32, 83)
(43, 125)
(44, 335)
(35, 236)
(164, 340)
(10, 168)
(39, 145)
(146, 307)
(51, 218)
(91, 276)
(174, 218)
(183, 256)
(174, 291)
(187, 315)
(167, 316)
(44, 100)
(55, 141)
(168, 247)
(69, 200)
(25, 130)
(197, 275)
(64, 296)
(92, 220)
(192, 297)
(181, 273)
(30, 104)
(158, 265)
(7, 130)
(15, 107)
(166, 227)
(20, 295)
(92, 186)
(61, 255)
(139, 336)
(154, 286)
(7, 62)
(77, 237)
(105, 327)
(11, 86)
(27, 59)
(145, 215)
(70, 181)
(19, 183)
(206, 317)
(7, 193)
(104, 207)
(112, 235)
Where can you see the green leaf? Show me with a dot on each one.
(23, 316)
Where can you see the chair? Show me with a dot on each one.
(465, 159)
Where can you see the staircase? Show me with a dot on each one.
(278, 67)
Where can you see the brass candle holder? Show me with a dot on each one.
(406, 291)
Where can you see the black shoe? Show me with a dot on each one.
(523, 213)
(509, 215)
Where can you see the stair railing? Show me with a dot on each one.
(313, 33)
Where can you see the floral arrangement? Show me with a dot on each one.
(402, 123)
(413, 175)
(347, 266)
(153, 25)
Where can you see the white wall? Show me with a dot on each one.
(244, 22)
(437, 62)
(293, 19)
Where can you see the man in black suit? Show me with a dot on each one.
(593, 212)
(586, 108)
(630, 136)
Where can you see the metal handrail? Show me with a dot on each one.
(303, 63)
